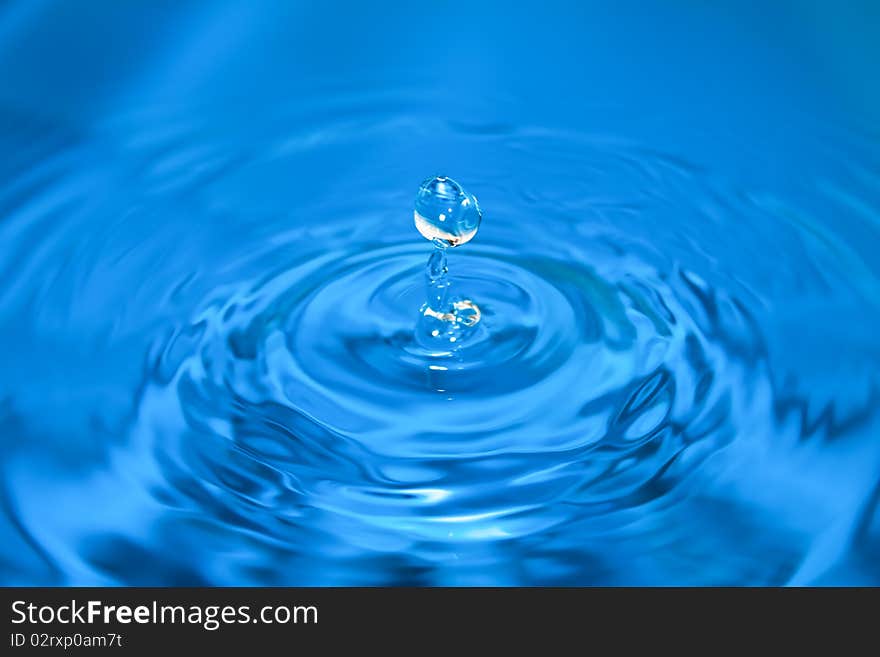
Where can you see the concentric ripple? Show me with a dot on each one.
(622, 413)
(579, 389)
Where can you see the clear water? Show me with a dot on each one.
(448, 216)
(214, 368)
(445, 213)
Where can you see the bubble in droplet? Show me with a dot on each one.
(467, 312)
(445, 213)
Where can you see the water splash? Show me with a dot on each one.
(448, 216)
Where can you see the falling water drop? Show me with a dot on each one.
(448, 216)
(445, 213)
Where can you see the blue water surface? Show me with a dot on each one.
(211, 291)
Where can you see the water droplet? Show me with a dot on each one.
(445, 213)
(448, 216)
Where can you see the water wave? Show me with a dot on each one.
(226, 332)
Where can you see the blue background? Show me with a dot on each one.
(160, 159)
